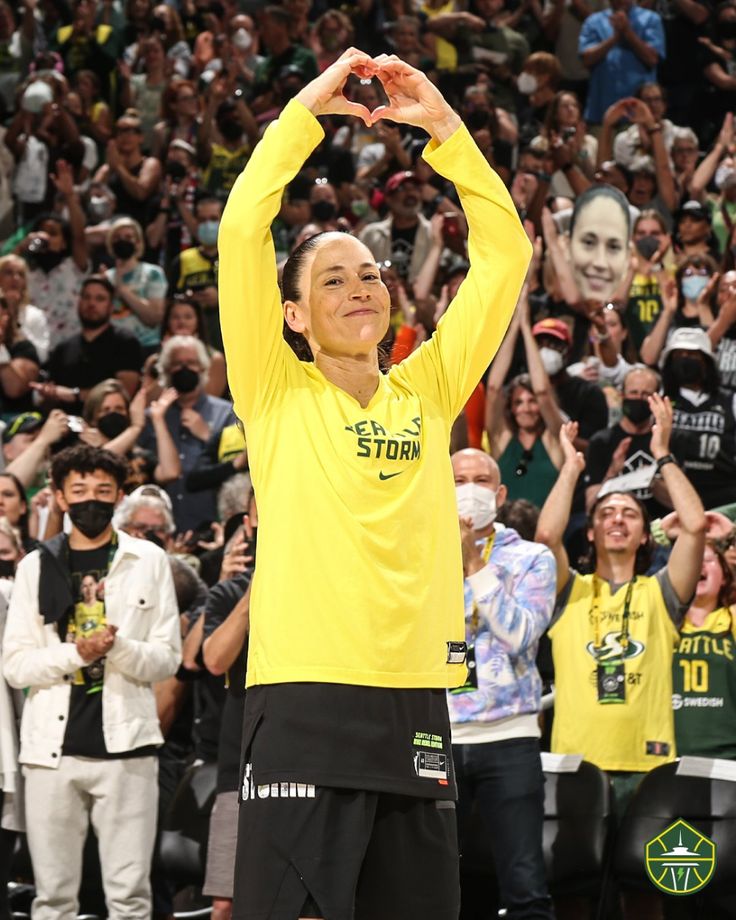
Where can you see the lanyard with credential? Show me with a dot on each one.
(624, 618)
(474, 617)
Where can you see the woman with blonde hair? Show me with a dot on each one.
(140, 287)
(29, 319)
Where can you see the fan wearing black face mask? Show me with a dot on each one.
(92, 625)
(140, 287)
(115, 421)
(624, 447)
(323, 203)
(190, 418)
(704, 424)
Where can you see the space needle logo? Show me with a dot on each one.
(680, 860)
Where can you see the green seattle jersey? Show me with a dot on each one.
(704, 687)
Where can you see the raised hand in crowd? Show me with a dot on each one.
(193, 422)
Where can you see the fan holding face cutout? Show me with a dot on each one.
(356, 617)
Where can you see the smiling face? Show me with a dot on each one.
(599, 248)
(524, 409)
(618, 526)
(344, 305)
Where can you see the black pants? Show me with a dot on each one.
(504, 782)
(343, 854)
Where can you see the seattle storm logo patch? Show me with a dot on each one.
(612, 649)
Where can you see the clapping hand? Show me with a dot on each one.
(661, 407)
(97, 645)
(573, 459)
(159, 407)
(472, 559)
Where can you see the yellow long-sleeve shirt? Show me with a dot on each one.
(359, 575)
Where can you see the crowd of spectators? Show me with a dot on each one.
(123, 125)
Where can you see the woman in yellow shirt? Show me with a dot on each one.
(357, 606)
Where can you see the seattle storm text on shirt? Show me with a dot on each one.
(372, 440)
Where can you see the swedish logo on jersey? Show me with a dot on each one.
(680, 860)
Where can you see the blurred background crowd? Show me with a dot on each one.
(123, 125)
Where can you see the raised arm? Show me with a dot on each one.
(555, 513)
(449, 366)
(168, 467)
(249, 299)
(686, 559)
(548, 407)
(496, 427)
(651, 347)
(63, 179)
(642, 115)
(706, 170)
(424, 281)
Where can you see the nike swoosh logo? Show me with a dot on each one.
(384, 476)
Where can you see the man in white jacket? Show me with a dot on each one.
(92, 625)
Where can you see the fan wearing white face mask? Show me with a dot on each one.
(509, 598)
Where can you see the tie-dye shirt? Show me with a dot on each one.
(515, 596)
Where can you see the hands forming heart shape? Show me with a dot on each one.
(412, 98)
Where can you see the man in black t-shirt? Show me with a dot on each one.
(99, 351)
(93, 623)
(624, 448)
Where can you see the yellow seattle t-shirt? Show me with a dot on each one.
(635, 735)
(359, 575)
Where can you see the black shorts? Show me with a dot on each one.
(344, 854)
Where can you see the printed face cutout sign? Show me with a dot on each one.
(599, 242)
